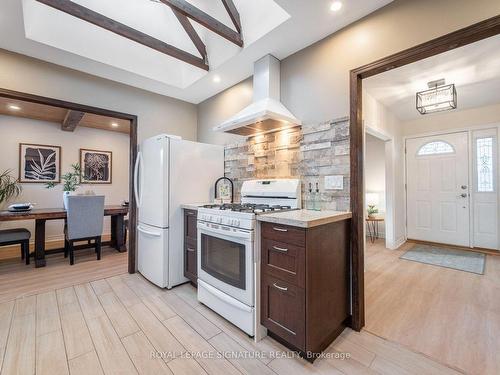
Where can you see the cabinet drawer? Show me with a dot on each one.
(284, 233)
(283, 310)
(284, 261)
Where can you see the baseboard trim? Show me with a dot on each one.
(473, 249)
(396, 244)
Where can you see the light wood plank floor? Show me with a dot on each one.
(18, 279)
(449, 315)
(125, 325)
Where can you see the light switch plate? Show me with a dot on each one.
(334, 182)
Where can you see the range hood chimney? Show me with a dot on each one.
(266, 113)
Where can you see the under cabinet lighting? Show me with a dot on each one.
(216, 79)
(115, 124)
(336, 6)
(14, 107)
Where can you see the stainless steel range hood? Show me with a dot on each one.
(266, 113)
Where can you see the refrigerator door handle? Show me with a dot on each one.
(149, 233)
(138, 195)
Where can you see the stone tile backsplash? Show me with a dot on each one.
(310, 153)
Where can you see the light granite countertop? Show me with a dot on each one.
(304, 218)
(192, 206)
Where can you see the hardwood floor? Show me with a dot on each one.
(449, 315)
(18, 279)
(125, 325)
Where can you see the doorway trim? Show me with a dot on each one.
(456, 39)
(16, 95)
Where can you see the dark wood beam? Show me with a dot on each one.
(205, 19)
(72, 120)
(193, 35)
(233, 13)
(109, 24)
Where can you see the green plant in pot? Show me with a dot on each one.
(9, 187)
(70, 180)
(372, 210)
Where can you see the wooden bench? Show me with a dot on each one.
(17, 236)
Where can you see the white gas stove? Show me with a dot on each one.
(226, 251)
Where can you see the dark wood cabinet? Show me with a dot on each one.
(190, 246)
(305, 284)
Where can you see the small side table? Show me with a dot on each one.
(372, 222)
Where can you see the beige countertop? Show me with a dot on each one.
(304, 218)
(192, 206)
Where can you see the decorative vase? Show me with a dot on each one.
(66, 194)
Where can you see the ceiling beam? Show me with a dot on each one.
(125, 31)
(205, 19)
(71, 120)
(193, 35)
(233, 13)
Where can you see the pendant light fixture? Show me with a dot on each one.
(439, 97)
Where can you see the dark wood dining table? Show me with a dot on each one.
(41, 215)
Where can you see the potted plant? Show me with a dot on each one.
(372, 210)
(71, 182)
(9, 187)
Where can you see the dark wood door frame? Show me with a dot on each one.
(456, 39)
(15, 95)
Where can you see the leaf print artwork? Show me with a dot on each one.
(39, 163)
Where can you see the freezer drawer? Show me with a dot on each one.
(152, 249)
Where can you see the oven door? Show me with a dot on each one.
(225, 260)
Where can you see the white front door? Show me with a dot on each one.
(438, 189)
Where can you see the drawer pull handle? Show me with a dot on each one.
(191, 250)
(280, 229)
(280, 287)
(280, 249)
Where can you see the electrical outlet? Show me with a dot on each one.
(334, 182)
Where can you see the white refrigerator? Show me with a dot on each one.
(170, 171)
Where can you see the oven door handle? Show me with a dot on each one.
(224, 297)
(239, 234)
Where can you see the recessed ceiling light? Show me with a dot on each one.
(13, 107)
(336, 5)
(115, 124)
(216, 79)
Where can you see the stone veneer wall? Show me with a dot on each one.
(309, 153)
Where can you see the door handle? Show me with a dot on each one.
(280, 287)
(191, 250)
(280, 229)
(136, 179)
(463, 195)
(142, 230)
(282, 249)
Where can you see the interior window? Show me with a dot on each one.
(484, 166)
(436, 147)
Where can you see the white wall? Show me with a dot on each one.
(456, 119)
(156, 113)
(15, 130)
(381, 122)
(375, 168)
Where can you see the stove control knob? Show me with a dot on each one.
(236, 223)
(219, 220)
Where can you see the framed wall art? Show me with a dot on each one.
(39, 163)
(97, 166)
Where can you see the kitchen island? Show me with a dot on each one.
(304, 283)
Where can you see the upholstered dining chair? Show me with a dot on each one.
(85, 215)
